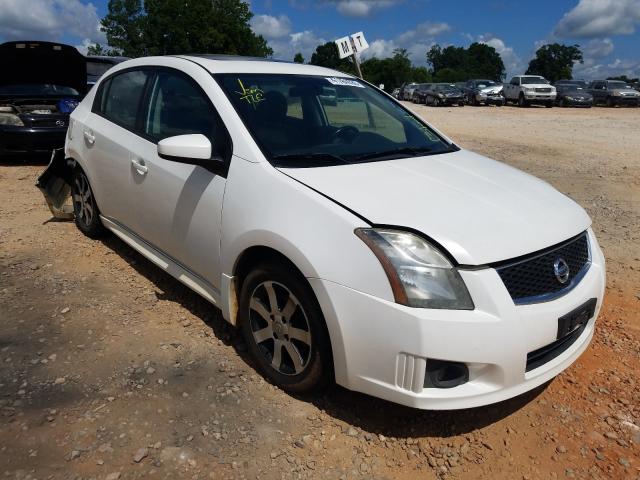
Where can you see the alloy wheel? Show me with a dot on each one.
(83, 200)
(280, 328)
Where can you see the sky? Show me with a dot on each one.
(606, 30)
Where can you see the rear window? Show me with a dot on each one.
(121, 97)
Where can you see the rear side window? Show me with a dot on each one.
(121, 97)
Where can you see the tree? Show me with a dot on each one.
(483, 61)
(124, 27)
(169, 27)
(454, 64)
(326, 55)
(555, 61)
(98, 50)
(298, 58)
(392, 71)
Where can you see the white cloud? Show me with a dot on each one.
(416, 41)
(592, 70)
(362, 8)
(598, 48)
(513, 64)
(597, 18)
(304, 42)
(271, 27)
(49, 20)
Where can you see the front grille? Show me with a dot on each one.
(534, 278)
(543, 90)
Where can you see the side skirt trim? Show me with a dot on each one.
(166, 263)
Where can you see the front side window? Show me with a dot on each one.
(121, 97)
(306, 121)
(177, 107)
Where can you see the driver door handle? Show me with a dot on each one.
(139, 165)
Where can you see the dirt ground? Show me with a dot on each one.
(110, 369)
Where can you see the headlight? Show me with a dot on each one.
(420, 276)
(616, 93)
(440, 95)
(569, 98)
(10, 119)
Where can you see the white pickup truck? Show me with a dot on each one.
(529, 90)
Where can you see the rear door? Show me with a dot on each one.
(180, 205)
(109, 133)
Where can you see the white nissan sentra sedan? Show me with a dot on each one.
(348, 240)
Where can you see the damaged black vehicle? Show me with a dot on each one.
(42, 85)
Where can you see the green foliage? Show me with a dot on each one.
(555, 61)
(98, 50)
(393, 71)
(298, 58)
(456, 64)
(624, 78)
(327, 56)
(170, 27)
(124, 27)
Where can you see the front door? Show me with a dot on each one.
(179, 205)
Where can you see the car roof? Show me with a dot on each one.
(239, 64)
(235, 64)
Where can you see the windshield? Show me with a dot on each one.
(308, 121)
(485, 83)
(572, 88)
(618, 85)
(532, 80)
(37, 90)
(446, 88)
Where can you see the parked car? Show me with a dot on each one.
(530, 90)
(443, 280)
(581, 83)
(41, 84)
(420, 93)
(407, 93)
(97, 66)
(613, 93)
(573, 95)
(486, 92)
(439, 94)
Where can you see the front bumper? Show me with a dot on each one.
(381, 348)
(21, 140)
(629, 101)
(452, 100)
(490, 99)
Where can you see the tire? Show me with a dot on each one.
(305, 361)
(522, 102)
(561, 103)
(549, 105)
(85, 209)
(436, 102)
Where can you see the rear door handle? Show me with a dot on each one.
(139, 165)
(90, 137)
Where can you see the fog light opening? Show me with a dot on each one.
(443, 374)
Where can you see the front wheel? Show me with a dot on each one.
(85, 209)
(436, 102)
(522, 102)
(284, 329)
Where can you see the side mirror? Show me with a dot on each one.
(194, 148)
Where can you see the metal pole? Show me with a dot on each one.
(357, 65)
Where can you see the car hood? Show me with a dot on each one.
(42, 63)
(538, 85)
(497, 89)
(480, 210)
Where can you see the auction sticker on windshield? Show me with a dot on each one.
(345, 82)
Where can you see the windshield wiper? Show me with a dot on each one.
(307, 159)
(412, 151)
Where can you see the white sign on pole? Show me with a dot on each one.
(344, 47)
(359, 42)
